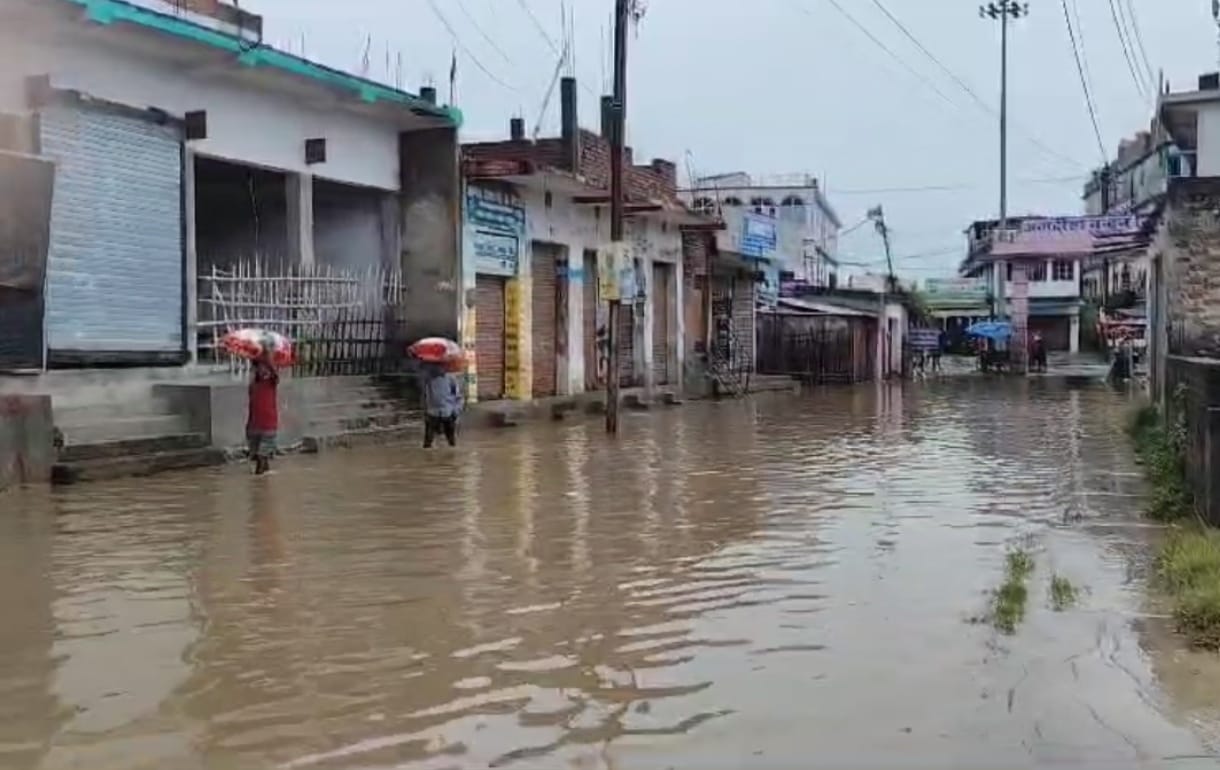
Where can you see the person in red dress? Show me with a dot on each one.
(263, 419)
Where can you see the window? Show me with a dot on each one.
(1064, 270)
(732, 200)
(792, 200)
(1036, 271)
(704, 205)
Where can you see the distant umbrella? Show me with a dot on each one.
(992, 330)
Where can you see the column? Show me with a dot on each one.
(643, 337)
(572, 380)
(191, 257)
(431, 231)
(300, 219)
(1074, 335)
(677, 325)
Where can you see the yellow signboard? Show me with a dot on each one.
(514, 320)
(612, 259)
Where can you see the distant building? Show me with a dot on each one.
(778, 232)
(1048, 282)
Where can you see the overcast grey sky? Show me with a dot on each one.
(776, 86)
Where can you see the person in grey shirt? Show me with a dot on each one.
(442, 404)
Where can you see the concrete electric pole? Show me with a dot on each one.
(1003, 10)
(622, 16)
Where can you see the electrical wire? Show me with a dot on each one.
(462, 47)
(1139, 39)
(538, 26)
(953, 187)
(483, 33)
(876, 41)
(1122, 39)
(1084, 83)
(957, 79)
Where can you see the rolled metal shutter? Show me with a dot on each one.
(115, 263)
(626, 345)
(660, 322)
(743, 318)
(489, 336)
(593, 350)
(543, 318)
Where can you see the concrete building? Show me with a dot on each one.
(537, 213)
(1134, 182)
(191, 160)
(1034, 272)
(774, 232)
(183, 143)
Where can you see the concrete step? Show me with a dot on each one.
(336, 409)
(100, 412)
(135, 465)
(125, 428)
(339, 425)
(101, 450)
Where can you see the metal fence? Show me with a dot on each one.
(817, 349)
(341, 322)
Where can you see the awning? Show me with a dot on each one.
(822, 308)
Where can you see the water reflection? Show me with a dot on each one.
(727, 584)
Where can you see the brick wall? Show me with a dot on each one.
(1194, 399)
(541, 153)
(1191, 267)
(655, 181)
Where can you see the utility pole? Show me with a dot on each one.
(877, 214)
(622, 11)
(1003, 10)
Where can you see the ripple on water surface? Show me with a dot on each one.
(725, 585)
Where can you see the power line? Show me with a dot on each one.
(957, 79)
(953, 186)
(1084, 83)
(918, 75)
(1122, 40)
(479, 28)
(462, 47)
(538, 26)
(1139, 39)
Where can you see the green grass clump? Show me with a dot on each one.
(1008, 605)
(1063, 593)
(1160, 450)
(1188, 567)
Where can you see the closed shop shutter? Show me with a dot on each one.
(661, 289)
(542, 325)
(115, 264)
(593, 380)
(722, 315)
(489, 336)
(1056, 331)
(626, 345)
(743, 318)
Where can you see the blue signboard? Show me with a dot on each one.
(494, 234)
(758, 237)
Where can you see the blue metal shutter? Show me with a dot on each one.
(114, 268)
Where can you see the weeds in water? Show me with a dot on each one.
(1188, 566)
(1008, 607)
(1063, 593)
(1160, 450)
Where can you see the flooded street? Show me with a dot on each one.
(777, 583)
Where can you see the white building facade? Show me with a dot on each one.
(183, 145)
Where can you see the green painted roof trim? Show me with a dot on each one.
(111, 11)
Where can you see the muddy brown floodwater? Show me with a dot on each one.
(779, 583)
